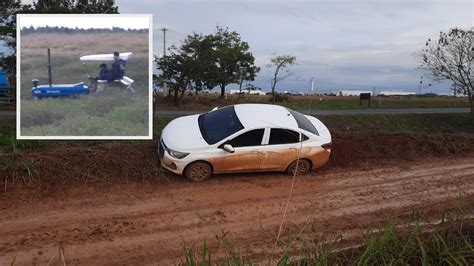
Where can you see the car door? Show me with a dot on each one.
(247, 153)
(281, 149)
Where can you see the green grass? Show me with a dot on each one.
(209, 101)
(449, 242)
(376, 103)
(401, 124)
(405, 124)
(112, 112)
(117, 113)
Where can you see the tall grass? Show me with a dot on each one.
(449, 242)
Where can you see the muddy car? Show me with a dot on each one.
(244, 138)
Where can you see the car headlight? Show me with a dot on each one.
(177, 154)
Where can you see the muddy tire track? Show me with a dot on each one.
(148, 223)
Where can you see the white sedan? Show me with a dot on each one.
(244, 138)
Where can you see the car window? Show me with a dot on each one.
(249, 138)
(283, 136)
(219, 124)
(303, 122)
(304, 137)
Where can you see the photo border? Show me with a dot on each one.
(150, 80)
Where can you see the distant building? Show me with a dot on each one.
(397, 93)
(352, 93)
(452, 94)
(251, 92)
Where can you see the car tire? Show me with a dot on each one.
(304, 166)
(198, 171)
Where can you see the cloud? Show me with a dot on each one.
(344, 44)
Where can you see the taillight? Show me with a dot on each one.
(327, 146)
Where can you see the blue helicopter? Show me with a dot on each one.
(74, 90)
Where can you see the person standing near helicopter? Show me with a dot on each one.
(118, 67)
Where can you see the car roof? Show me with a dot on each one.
(265, 115)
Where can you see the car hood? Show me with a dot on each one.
(323, 131)
(183, 134)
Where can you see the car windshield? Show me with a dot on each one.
(219, 124)
(303, 122)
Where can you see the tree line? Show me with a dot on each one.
(56, 29)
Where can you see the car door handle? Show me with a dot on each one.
(255, 151)
(294, 149)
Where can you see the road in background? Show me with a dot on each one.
(319, 112)
(338, 112)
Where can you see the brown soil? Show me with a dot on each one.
(66, 163)
(146, 223)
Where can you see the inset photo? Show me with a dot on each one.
(84, 76)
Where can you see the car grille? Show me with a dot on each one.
(161, 149)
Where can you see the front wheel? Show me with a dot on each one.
(198, 171)
(304, 166)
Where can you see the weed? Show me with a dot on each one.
(450, 242)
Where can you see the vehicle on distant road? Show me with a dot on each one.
(244, 138)
(4, 87)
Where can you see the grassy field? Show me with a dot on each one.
(112, 112)
(209, 101)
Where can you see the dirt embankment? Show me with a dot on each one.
(111, 162)
(140, 223)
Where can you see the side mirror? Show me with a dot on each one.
(228, 148)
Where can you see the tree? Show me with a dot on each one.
(175, 72)
(280, 62)
(206, 61)
(232, 59)
(449, 58)
(246, 73)
(201, 61)
(9, 9)
(74, 7)
(186, 67)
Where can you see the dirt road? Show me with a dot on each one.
(147, 223)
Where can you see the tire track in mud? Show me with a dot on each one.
(151, 227)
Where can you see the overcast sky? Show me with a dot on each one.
(84, 21)
(343, 44)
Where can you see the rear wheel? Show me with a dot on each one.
(198, 171)
(304, 166)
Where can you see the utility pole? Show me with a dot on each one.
(419, 86)
(164, 29)
(164, 40)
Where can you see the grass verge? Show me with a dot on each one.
(209, 101)
(358, 141)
